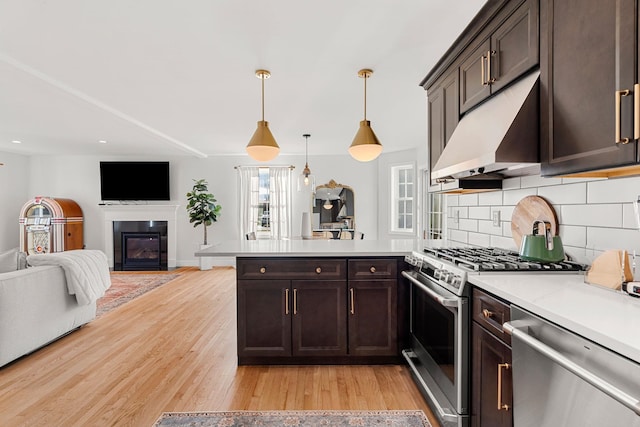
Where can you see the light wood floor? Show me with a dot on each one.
(174, 349)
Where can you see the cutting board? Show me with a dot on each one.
(528, 210)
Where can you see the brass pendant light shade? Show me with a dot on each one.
(365, 146)
(263, 146)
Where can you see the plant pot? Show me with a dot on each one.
(206, 262)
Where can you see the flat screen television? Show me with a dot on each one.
(134, 181)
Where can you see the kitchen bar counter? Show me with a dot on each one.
(312, 248)
(606, 317)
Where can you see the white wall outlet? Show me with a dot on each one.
(496, 218)
(456, 216)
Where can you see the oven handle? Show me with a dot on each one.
(446, 302)
(599, 383)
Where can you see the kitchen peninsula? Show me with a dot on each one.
(319, 301)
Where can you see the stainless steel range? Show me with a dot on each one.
(439, 355)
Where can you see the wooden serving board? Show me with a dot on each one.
(528, 210)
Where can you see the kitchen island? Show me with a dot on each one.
(319, 301)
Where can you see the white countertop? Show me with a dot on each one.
(607, 317)
(313, 247)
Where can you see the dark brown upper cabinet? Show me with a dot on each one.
(443, 114)
(508, 52)
(588, 71)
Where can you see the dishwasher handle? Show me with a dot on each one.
(599, 383)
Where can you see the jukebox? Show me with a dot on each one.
(50, 225)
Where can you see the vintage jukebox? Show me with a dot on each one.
(50, 225)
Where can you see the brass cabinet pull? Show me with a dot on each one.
(619, 95)
(263, 270)
(483, 80)
(490, 80)
(372, 269)
(318, 270)
(286, 301)
(501, 405)
(353, 300)
(295, 301)
(487, 314)
(636, 111)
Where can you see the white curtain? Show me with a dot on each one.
(280, 202)
(248, 183)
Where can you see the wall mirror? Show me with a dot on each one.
(333, 207)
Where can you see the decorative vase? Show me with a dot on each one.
(306, 226)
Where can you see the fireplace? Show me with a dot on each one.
(140, 245)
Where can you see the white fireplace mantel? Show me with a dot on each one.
(122, 212)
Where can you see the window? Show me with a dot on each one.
(402, 185)
(265, 201)
(436, 216)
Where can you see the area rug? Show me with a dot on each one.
(127, 286)
(294, 418)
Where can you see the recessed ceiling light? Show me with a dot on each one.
(15, 141)
(102, 141)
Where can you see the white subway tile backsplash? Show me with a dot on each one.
(602, 239)
(511, 183)
(458, 236)
(504, 242)
(624, 190)
(629, 216)
(477, 212)
(538, 181)
(479, 239)
(469, 199)
(490, 198)
(573, 235)
(487, 227)
(506, 229)
(468, 225)
(506, 212)
(452, 200)
(592, 215)
(512, 197)
(565, 194)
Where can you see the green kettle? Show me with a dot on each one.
(541, 248)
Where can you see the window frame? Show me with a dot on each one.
(396, 199)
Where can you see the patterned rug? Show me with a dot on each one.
(294, 418)
(127, 286)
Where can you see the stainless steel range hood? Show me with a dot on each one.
(497, 139)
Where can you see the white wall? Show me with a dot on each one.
(14, 180)
(77, 178)
(593, 215)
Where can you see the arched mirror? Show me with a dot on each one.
(333, 208)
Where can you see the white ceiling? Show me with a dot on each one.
(172, 77)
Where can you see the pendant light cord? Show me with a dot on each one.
(262, 79)
(365, 96)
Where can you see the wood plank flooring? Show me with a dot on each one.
(174, 349)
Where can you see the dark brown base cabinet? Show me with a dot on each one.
(492, 384)
(323, 310)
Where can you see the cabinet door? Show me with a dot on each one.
(264, 322)
(589, 49)
(473, 78)
(373, 323)
(319, 317)
(444, 114)
(490, 357)
(515, 44)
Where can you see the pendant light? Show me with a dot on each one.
(365, 146)
(306, 180)
(263, 146)
(327, 204)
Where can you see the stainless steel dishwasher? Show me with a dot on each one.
(562, 379)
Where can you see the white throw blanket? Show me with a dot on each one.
(86, 271)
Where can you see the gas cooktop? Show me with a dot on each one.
(496, 259)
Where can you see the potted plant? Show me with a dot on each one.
(203, 210)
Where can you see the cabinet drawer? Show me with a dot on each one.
(287, 268)
(373, 268)
(491, 313)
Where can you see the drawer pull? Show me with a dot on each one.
(619, 95)
(263, 270)
(353, 301)
(501, 405)
(372, 269)
(487, 314)
(295, 301)
(318, 270)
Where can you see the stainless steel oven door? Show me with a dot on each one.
(439, 354)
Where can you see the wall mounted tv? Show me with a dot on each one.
(134, 181)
